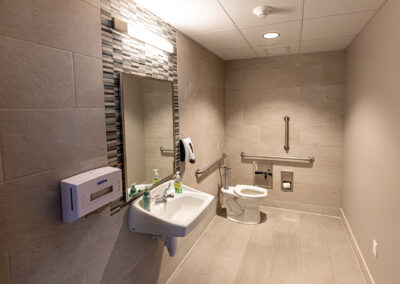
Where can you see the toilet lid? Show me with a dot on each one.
(250, 191)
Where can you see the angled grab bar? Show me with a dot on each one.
(199, 172)
(277, 158)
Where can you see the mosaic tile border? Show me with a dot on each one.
(125, 54)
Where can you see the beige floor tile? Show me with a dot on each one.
(288, 247)
(316, 269)
(280, 276)
(222, 269)
(310, 224)
(287, 260)
(256, 264)
(287, 241)
(349, 275)
(211, 269)
(314, 244)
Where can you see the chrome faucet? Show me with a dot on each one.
(165, 196)
(225, 174)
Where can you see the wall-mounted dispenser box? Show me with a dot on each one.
(86, 192)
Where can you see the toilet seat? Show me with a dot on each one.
(249, 191)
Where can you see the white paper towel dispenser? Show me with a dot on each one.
(86, 192)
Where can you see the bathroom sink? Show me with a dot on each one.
(175, 218)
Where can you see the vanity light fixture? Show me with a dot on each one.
(142, 35)
(271, 35)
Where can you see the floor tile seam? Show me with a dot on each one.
(190, 251)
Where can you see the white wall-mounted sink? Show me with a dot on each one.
(177, 217)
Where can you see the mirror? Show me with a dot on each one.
(148, 131)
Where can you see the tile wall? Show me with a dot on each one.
(309, 89)
(52, 125)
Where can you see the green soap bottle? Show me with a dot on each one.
(177, 183)
(146, 199)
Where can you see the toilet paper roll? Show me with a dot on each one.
(286, 185)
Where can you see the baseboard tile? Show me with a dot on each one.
(361, 261)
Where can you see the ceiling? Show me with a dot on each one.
(229, 28)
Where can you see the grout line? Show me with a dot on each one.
(332, 37)
(299, 211)
(73, 77)
(342, 14)
(2, 163)
(7, 255)
(187, 255)
(42, 172)
(301, 24)
(48, 46)
(237, 28)
(50, 108)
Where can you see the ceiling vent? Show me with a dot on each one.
(262, 11)
(273, 51)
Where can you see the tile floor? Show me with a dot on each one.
(287, 247)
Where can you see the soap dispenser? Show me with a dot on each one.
(157, 177)
(177, 184)
(146, 199)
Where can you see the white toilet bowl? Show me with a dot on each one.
(242, 203)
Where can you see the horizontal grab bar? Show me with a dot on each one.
(199, 172)
(277, 158)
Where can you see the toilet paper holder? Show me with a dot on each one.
(287, 181)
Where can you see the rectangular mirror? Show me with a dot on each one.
(148, 131)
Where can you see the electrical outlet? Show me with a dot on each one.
(375, 248)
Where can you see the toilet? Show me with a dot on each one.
(242, 203)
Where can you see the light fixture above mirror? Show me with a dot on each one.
(142, 35)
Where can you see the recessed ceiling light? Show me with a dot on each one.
(271, 35)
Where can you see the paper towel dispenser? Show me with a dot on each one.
(88, 191)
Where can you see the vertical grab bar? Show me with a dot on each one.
(286, 147)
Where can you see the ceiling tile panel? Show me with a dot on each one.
(191, 16)
(267, 51)
(289, 33)
(221, 40)
(335, 26)
(322, 8)
(235, 53)
(242, 11)
(327, 44)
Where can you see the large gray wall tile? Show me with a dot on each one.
(36, 196)
(69, 25)
(36, 76)
(4, 270)
(1, 167)
(38, 140)
(88, 74)
(58, 258)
